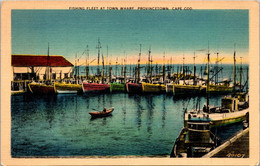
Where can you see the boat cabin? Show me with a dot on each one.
(198, 130)
(199, 139)
(230, 103)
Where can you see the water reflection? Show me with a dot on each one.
(139, 111)
(163, 111)
(150, 110)
(146, 123)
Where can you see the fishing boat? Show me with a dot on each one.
(104, 113)
(220, 88)
(188, 89)
(117, 87)
(41, 88)
(95, 87)
(134, 88)
(169, 88)
(233, 109)
(46, 88)
(67, 88)
(195, 139)
(153, 88)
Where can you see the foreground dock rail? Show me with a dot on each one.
(236, 147)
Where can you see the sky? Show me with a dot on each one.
(174, 34)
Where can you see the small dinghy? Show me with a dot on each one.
(104, 113)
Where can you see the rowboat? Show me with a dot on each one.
(104, 113)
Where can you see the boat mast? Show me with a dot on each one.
(208, 80)
(234, 69)
(110, 71)
(103, 69)
(240, 75)
(98, 47)
(76, 69)
(87, 64)
(48, 65)
(216, 77)
(138, 65)
(163, 67)
(183, 75)
(116, 65)
(194, 70)
(149, 66)
(107, 62)
(124, 68)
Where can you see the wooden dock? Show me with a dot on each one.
(236, 147)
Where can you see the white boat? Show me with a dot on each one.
(232, 110)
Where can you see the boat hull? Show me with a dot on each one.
(169, 88)
(188, 89)
(184, 143)
(95, 88)
(153, 88)
(134, 88)
(41, 89)
(117, 87)
(219, 89)
(222, 119)
(100, 114)
(61, 88)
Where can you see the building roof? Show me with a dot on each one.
(40, 60)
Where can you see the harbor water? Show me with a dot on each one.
(141, 125)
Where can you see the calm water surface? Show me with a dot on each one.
(61, 126)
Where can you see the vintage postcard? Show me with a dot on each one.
(129, 83)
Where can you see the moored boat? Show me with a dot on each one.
(169, 88)
(95, 87)
(64, 88)
(153, 88)
(188, 89)
(134, 88)
(233, 109)
(195, 140)
(219, 89)
(104, 113)
(41, 88)
(117, 87)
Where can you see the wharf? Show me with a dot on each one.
(236, 147)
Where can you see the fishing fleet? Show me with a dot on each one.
(196, 138)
